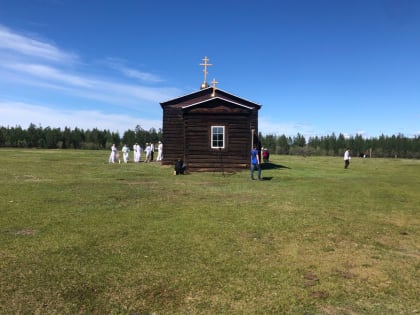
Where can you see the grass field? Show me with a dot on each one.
(81, 236)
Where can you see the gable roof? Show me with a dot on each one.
(205, 95)
(214, 98)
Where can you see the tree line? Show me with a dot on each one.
(67, 138)
(331, 145)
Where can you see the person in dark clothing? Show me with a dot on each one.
(179, 167)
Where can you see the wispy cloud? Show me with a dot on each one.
(119, 65)
(287, 128)
(59, 76)
(50, 74)
(90, 87)
(40, 83)
(143, 76)
(23, 114)
(21, 44)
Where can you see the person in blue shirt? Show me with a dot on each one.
(255, 163)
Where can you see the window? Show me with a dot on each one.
(217, 137)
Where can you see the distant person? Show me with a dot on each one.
(136, 152)
(255, 162)
(113, 155)
(140, 150)
(259, 147)
(152, 151)
(347, 158)
(125, 152)
(148, 151)
(265, 155)
(367, 154)
(160, 151)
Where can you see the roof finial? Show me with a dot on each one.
(205, 64)
(213, 84)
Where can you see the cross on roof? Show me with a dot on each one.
(205, 64)
(213, 84)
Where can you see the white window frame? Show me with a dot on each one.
(213, 129)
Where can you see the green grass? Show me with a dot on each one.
(80, 236)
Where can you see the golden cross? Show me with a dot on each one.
(205, 64)
(213, 83)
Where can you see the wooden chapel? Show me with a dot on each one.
(210, 129)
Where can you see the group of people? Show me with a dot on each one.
(149, 151)
(179, 166)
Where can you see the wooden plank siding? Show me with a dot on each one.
(173, 135)
(187, 123)
(200, 155)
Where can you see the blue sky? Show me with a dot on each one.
(315, 66)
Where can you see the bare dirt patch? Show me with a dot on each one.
(25, 232)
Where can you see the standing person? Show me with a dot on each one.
(135, 155)
(137, 152)
(125, 151)
(113, 155)
(160, 151)
(265, 155)
(148, 151)
(259, 147)
(140, 149)
(255, 162)
(152, 151)
(347, 158)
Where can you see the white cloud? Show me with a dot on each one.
(268, 126)
(23, 114)
(27, 63)
(50, 74)
(144, 76)
(17, 43)
(119, 65)
(105, 90)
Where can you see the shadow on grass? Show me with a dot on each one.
(272, 166)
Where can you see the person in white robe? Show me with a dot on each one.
(148, 151)
(139, 150)
(113, 155)
(160, 151)
(125, 151)
(136, 153)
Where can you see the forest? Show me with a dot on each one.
(331, 145)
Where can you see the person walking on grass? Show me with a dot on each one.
(255, 163)
(347, 158)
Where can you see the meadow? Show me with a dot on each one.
(81, 236)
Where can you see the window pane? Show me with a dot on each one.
(218, 135)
